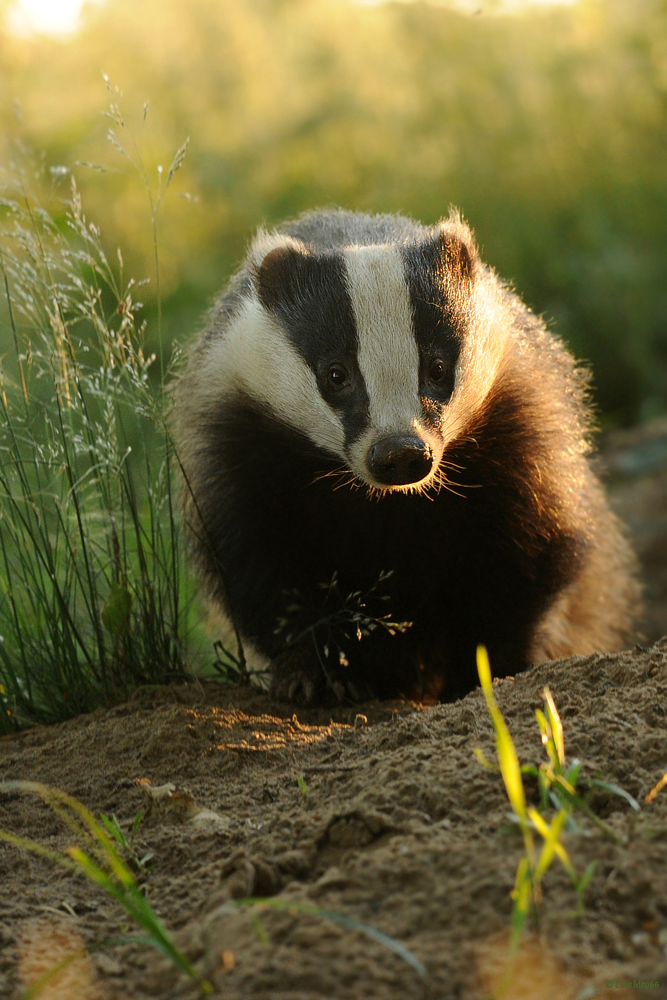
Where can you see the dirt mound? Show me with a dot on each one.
(380, 814)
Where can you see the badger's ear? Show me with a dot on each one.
(279, 270)
(458, 253)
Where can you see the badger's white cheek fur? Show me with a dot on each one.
(255, 358)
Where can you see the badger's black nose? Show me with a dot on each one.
(399, 460)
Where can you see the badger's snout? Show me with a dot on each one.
(399, 460)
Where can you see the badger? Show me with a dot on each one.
(386, 463)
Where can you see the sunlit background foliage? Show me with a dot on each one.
(547, 126)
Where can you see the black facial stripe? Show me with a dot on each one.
(309, 296)
(434, 327)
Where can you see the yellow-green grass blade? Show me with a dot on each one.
(135, 904)
(547, 738)
(507, 755)
(82, 823)
(551, 833)
(484, 760)
(110, 874)
(30, 845)
(555, 725)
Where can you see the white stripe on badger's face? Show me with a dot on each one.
(388, 356)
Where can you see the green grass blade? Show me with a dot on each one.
(351, 923)
(114, 828)
(609, 786)
(523, 898)
(585, 879)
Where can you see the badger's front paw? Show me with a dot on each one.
(299, 677)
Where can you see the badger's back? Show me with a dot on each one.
(371, 404)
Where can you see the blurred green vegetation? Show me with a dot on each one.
(547, 128)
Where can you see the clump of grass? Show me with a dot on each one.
(558, 783)
(100, 862)
(126, 842)
(94, 600)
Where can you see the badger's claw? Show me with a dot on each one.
(298, 677)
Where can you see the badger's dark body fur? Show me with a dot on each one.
(505, 540)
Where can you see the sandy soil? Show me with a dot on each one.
(394, 823)
(400, 827)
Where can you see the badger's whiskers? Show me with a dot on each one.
(343, 474)
(441, 480)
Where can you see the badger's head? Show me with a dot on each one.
(378, 354)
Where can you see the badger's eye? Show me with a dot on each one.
(437, 370)
(337, 377)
